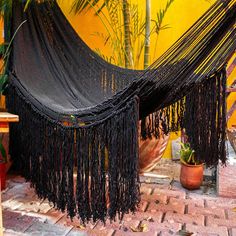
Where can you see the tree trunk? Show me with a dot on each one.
(127, 34)
(147, 34)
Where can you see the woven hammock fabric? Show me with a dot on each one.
(77, 140)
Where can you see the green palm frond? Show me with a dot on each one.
(79, 6)
(160, 17)
(27, 4)
(158, 22)
(113, 11)
(5, 7)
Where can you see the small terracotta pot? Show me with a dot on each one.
(3, 175)
(191, 176)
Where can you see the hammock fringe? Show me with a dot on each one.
(206, 105)
(91, 172)
(202, 114)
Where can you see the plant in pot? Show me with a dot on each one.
(191, 173)
(3, 161)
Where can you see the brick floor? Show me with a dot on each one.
(40, 228)
(207, 211)
(17, 222)
(184, 218)
(211, 230)
(196, 202)
(164, 210)
(233, 232)
(171, 193)
(212, 221)
(175, 208)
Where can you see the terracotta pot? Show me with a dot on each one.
(191, 176)
(3, 175)
(151, 151)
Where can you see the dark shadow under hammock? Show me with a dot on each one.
(77, 140)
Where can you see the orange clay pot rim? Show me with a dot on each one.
(192, 165)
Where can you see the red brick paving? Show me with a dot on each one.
(233, 232)
(210, 221)
(196, 202)
(17, 222)
(207, 211)
(211, 230)
(184, 218)
(162, 211)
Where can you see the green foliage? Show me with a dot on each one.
(3, 48)
(3, 80)
(158, 22)
(115, 35)
(5, 7)
(27, 4)
(114, 25)
(80, 5)
(2, 151)
(187, 154)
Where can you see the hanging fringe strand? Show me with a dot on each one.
(90, 171)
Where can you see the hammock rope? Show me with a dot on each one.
(77, 140)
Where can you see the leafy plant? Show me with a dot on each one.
(187, 154)
(79, 5)
(127, 31)
(3, 153)
(159, 22)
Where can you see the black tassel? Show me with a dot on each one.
(205, 119)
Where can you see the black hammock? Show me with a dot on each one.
(77, 140)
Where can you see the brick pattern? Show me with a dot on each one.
(227, 181)
(184, 218)
(195, 202)
(162, 211)
(178, 208)
(38, 227)
(17, 222)
(207, 211)
(212, 230)
(212, 221)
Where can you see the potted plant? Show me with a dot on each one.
(3, 161)
(191, 173)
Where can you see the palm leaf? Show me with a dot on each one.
(27, 4)
(79, 6)
(160, 17)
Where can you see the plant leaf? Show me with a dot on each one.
(141, 228)
(3, 152)
(27, 4)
